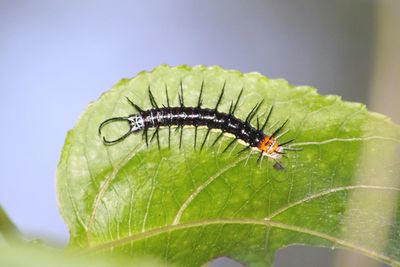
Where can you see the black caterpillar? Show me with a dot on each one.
(167, 116)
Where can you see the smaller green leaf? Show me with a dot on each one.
(8, 230)
(37, 256)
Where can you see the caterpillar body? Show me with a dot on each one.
(197, 116)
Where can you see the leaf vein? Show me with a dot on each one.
(241, 221)
(354, 139)
(202, 187)
(327, 192)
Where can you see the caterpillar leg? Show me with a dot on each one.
(169, 127)
(254, 111)
(205, 139)
(283, 145)
(220, 97)
(166, 95)
(248, 158)
(287, 142)
(146, 137)
(229, 145)
(155, 134)
(136, 107)
(195, 137)
(158, 139)
(152, 99)
(260, 156)
(180, 137)
(232, 108)
(266, 119)
(293, 148)
(180, 96)
(243, 150)
(278, 166)
(169, 137)
(279, 129)
(282, 134)
(216, 139)
(200, 100)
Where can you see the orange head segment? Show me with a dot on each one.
(269, 145)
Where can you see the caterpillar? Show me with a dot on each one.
(197, 116)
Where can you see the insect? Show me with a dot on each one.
(197, 116)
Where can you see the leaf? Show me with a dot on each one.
(189, 206)
(8, 230)
(21, 256)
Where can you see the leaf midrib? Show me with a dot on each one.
(243, 221)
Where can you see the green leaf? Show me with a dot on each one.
(8, 230)
(32, 256)
(189, 206)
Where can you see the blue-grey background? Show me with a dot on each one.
(57, 56)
